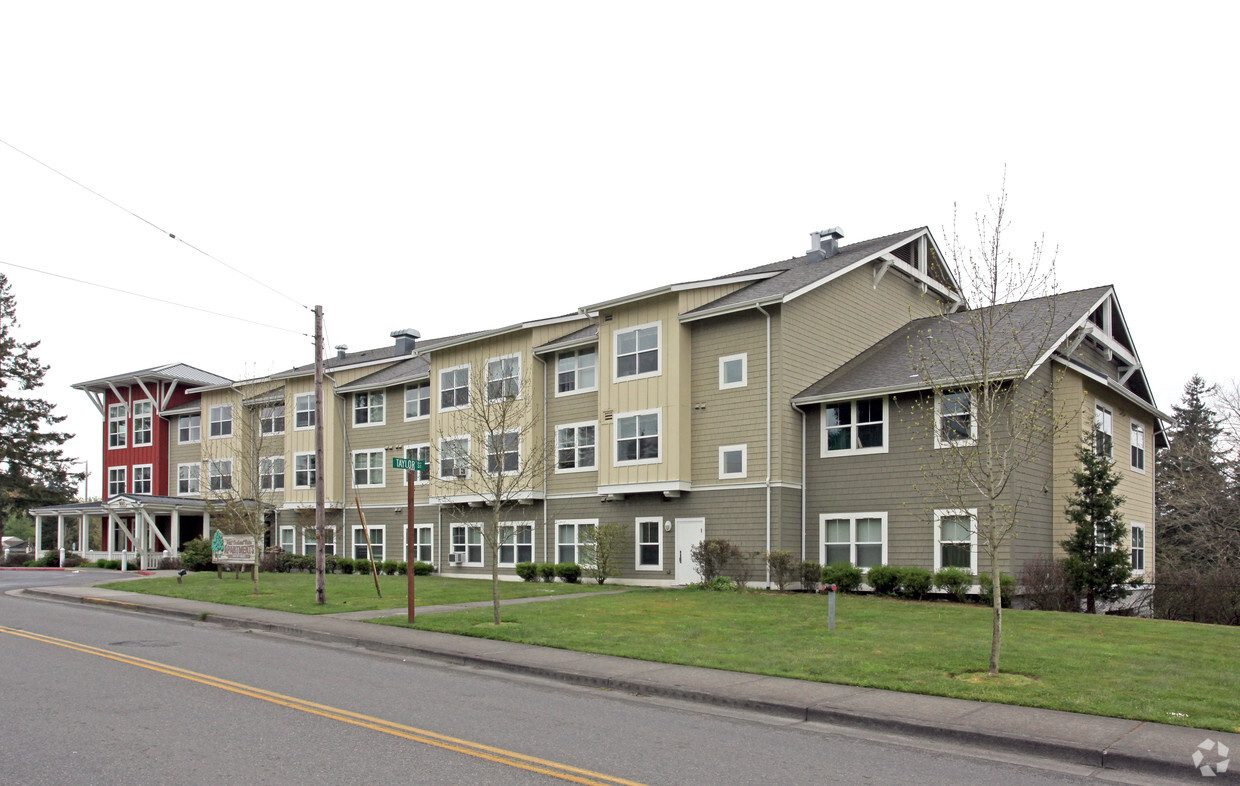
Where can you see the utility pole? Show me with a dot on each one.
(320, 496)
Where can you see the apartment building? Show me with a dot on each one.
(771, 406)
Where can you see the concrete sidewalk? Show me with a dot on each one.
(1138, 746)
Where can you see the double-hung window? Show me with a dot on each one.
(852, 427)
(303, 411)
(368, 408)
(117, 424)
(305, 472)
(310, 540)
(189, 429)
(637, 437)
(271, 420)
(375, 534)
(367, 469)
(955, 424)
(955, 539)
(453, 388)
(1137, 447)
(220, 474)
(423, 545)
(859, 538)
(143, 433)
(117, 481)
(467, 540)
(575, 447)
(142, 479)
(516, 544)
(575, 371)
(288, 539)
(1104, 431)
(1136, 548)
(454, 457)
(271, 473)
(503, 452)
(637, 352)
(189, 479)
(572, 541)
(417, 400)
(419, 453)
(503, 378)
(220, 418)
(649, 544)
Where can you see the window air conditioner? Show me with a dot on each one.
(456, 559)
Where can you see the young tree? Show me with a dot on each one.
(602, 550)
(497, 454)
(1097, 564)
(34, 471)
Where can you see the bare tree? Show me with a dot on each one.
(496, 454)
(601, 553)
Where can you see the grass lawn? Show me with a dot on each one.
(295, 591)
(1172, 672)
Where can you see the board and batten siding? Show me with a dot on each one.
(562, 410)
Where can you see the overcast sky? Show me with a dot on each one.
(459, 166)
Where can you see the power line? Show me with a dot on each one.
(154, 226)
(152, 297)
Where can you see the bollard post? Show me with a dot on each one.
(831, 609)
(124, 561)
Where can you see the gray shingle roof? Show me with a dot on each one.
(369, 355)
(405, 371)
(584, 335)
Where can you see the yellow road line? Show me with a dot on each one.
(479, 750)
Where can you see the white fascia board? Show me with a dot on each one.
(730, 309)
(1112, 384)
(684, 287)
(835, 398)
(922, 278)
(1075, 326)
(640, 488)
(880, 254)
(459, 499)
(582, 342)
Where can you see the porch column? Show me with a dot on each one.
(38, 535)
(206, 525)
(83, 535)
(60, 531)
(175, 531)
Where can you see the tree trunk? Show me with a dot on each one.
(494, 549)
(254, 572)
(996, 633)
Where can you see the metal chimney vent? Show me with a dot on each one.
(340, 350)
(824, 244)
(406, 340)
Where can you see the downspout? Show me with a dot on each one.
(545, 454)
(804, 490)
(767, 314)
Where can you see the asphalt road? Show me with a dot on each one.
(95, 696)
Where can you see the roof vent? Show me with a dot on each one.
(823, 244)
(406, 340)
(340, 350)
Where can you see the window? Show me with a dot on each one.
(288, 539)
(142, 417)
(637, 351)
(189, 429)
(516, 544)
(305, 472)
(637, 438)
(1136, 547)
(376, 543)
(116, 426)
(189, 479)
(575, 371)
(368, 408)
(454, 458)
(733, 461)
(467, 540)
(271, 420)
(733, 371)
(142, 479)
(453, 388)
(503, 452)
(310, 540)
(854, 427)
(221, 421)
(1137, 443)
(650, 544)
(417, 400)
(271, 473)
(1104, 426)
(220, 474)
(1102, 544)
(423, 547)
(955, 539)
(419, 453)
(503, 378)
(303, 411)
(954, 421)
(367, 469)
(859, 538)
(572, 541)
(574, 447)
(116, 481)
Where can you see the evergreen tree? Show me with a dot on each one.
(1098, 566)
(33, 469)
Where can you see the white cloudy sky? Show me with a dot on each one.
(455, 166)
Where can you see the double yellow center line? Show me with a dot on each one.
(498, 755)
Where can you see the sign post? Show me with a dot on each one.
(411, 467)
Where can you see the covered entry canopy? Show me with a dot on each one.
(143, 525)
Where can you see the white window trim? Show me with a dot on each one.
(411, 386)
(123, 474)
(576, 524)
(369, 408)
(283, 474)
(189, 428)
(150, 417)
(1145, 551)
(513, 355)
(637, 541)
(1145, 454)
(822, 429)
(469, 447)
(1099, 408)
(124, 430)
(133, 481)
(520, 445)
(823, 518)
(512, 525)
(280, 542)
(938, 536)
(556, 448)
(615, 351)
(615, 442)
(211, 419)
(370, 552)
(743, 357)
(939, 442)
(296, 401)
(309, 453)
(211, 464)
(577, 388)
(180, 493)
(328, 529)
(744, 473)
(430, 542)
(467, 526)
(283, 417)
(382, 468)
(469, 381)
(429, 474)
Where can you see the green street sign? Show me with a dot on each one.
(408, 463)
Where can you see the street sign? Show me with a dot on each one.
(408, 463)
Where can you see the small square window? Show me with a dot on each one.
(733, 371)
(733, 460)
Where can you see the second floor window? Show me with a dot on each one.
(637, 437)
(142, 427)
(574, 447)
(117, 423)
(368, 468)
(503, 378)
(854, 426)
(417, 400)
(454, 388)
(221, 421)
(188, 478)
(142, 479)
(453, 457)
(304, 474)
(368, 408)
(271, 473)
(116, 481)
(575, 371)
(503, 452)
(303, 411)
(189, 429)
(221, 475)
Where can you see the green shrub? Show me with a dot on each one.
(196, 555)
(388, 567)
(1007, 588)
(546, 571)
(330, 562)
(717, 584)
(811, 573)
(955, 582)
(423, 568)
(52, 559)
(844, 575)
(782, 566)
(712, 556)
(346, 564)
(528, 571)
(402, 569)
(915, 582)
(570, 572)
(884, 579)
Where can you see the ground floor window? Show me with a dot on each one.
(310, 540)
(571, 540)
(467, 541)
(1136, 548)
(516, 544)
(859, 538)
(288, 539)
(423, 547)
(649, 544)
(376, 542)
(955, 539)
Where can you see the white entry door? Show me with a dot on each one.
(689, 533)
